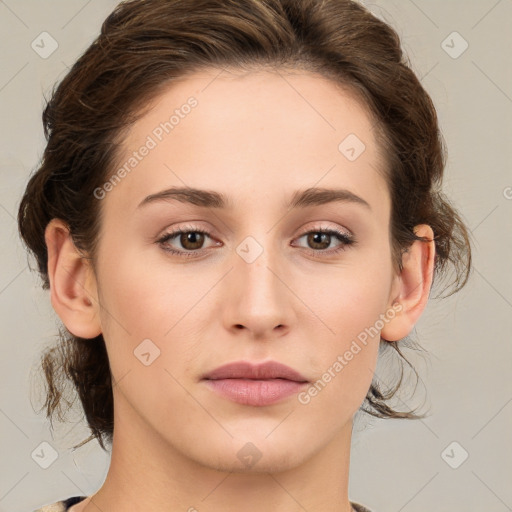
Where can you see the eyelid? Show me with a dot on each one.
(323, 226)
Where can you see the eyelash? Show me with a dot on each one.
(345, 239)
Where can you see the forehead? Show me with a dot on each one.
(266, 132)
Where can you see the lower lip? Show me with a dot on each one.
(255, 392)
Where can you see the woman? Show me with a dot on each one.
(239, 204)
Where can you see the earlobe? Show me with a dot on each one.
(73, 289)
(415, 282)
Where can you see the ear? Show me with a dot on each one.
(412, 287)
(73, 289)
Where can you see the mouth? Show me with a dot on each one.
(255, 384)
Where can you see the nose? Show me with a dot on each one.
(258, 297)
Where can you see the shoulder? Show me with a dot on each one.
(61, 506)
(359, 508)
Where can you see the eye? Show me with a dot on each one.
(319, 240)
(190, 238)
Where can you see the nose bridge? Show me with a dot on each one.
(260, 299)
(255, 267)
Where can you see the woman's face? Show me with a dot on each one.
(261, 284)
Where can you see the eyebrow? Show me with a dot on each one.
(212, 199)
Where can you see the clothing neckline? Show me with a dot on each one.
(68, 503)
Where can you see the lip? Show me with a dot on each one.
(261, 371)
(255, 384)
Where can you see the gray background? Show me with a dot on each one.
(396, 465)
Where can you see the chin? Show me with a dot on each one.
(254, 455)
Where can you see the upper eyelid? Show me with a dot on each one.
(208, 232)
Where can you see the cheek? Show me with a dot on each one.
(140, 295)
(149, 301)
(351, 302)
(140, 305)
(344, 359)
(350, 298)
(124, 312)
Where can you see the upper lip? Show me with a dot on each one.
(248, 370)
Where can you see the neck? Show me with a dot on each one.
(147, 473)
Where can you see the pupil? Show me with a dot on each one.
(192, 238)
(317, 238)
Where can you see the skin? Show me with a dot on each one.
(257, 138)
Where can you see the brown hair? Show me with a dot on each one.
(143, 46)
